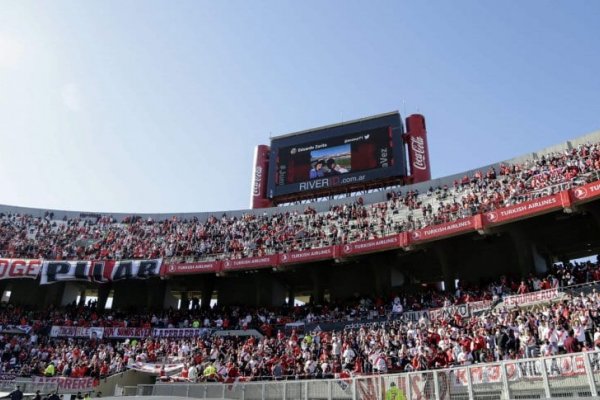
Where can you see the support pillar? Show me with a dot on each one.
(318, 290)
(81, 298)
(524, 249)
(185, 301)
(447, 267)
(208, 287)
(291, 295)
(156, 289)
(103, 293)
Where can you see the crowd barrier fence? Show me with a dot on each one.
(562, 376)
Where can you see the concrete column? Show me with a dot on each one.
(53, 294)
(156, 289)
(103, 293)
(185, 301)
(447, 266)
(81, 298)
(208, 287)
(318, 290)
(523, 248)
(291, 295)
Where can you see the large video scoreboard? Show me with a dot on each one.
(332, 158)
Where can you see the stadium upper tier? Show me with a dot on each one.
(37, 233)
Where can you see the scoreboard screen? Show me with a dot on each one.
(336, 156)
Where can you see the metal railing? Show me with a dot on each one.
(561, 376)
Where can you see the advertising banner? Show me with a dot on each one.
(308, 255)
(258, 196)
(250, 263)
(457, 227)
(98, 271)
(370, 246)
(531, 298)
(418, 152)
(586, 193)
(191, 268)
(16, 268)
(523, 210)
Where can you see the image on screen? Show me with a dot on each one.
(330, 161)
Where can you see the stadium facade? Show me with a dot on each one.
(557, 222)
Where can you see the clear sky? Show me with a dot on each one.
(156, 106)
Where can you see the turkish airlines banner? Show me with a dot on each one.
(191, 268)
(16, 268)
(69, 385)
(531, 298)
(370, 246)
(523, 210)
(323, 253)
(457, 227)
(250, 263)
(586, 193)
(98, 271)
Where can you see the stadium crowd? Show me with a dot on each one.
(255, 234)
(393, 343)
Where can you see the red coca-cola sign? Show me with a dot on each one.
(418, 152)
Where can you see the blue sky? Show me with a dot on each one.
(148, 106)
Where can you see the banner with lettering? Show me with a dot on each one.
(525, 210)
(98, 271)
(531, 298)
(66, 385)
(586, 193)
(191, 268)
(17, 268)
(308, 255)
(250, 263)
(370, 246)
(180, 332)
(449, 312)
(556, 367)
(448, 229)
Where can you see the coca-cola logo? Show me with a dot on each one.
(257, 181)
(492, 216)
(580, 193)
(417, 145)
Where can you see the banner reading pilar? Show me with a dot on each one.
(98, 271)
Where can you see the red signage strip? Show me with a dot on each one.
(583, 194)
(11, 268)
(250, 263)
(191, 268)
(323, 253)
(370, 246)
(526, 209)
(447, 229)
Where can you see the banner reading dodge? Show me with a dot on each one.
(98, 271)
(14, 268)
